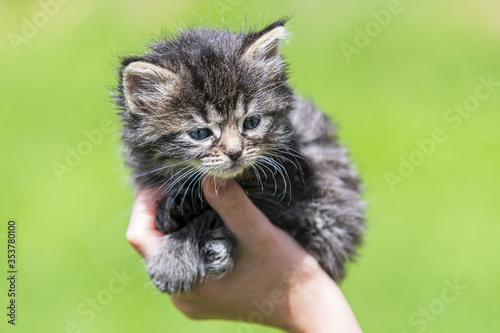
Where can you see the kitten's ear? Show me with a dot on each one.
(145, 85)
(268, 43)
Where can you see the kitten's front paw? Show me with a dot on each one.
(175, 267)
(219, 257)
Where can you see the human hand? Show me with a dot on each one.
(274, 282)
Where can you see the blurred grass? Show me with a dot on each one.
(439, 225)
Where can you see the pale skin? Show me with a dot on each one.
(275, 282)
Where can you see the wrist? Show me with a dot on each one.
(317, 305)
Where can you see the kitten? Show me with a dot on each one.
(216, 103)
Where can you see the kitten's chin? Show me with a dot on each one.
(231, 172)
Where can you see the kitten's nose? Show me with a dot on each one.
(231, 142)
(234, 154)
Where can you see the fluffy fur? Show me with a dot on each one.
(216, 103)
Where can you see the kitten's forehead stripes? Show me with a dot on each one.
(240, 110)
(212, 115)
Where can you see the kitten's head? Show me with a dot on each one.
(210, 99)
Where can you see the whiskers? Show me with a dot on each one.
(158, 171)
(272, 168)
(183, 180)
(275, 161)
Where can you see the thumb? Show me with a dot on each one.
(232, 204)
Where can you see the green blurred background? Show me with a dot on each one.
(434, 226)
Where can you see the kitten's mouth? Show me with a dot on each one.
(230, 169)
(231, 172)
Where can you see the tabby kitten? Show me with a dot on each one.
(216, 103)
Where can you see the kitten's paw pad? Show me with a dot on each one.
(219, 256)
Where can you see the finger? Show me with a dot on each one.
(141, 232)
(239, 213)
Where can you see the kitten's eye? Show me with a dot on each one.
(200, 133)
(251, 122)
